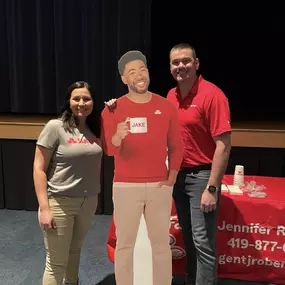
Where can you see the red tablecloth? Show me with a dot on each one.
(250, 234)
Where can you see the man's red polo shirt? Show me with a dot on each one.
(203, 114)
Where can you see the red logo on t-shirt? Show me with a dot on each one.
(82, 141)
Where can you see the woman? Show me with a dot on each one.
(67, 171)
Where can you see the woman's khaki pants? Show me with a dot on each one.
(73, 217)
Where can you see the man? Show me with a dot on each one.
(140, 133)
(204, 117)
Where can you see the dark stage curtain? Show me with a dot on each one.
(240, 47)
(47, 45)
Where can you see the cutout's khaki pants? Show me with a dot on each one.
(131, 200)
(73, 217)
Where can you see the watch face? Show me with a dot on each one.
(212, 189)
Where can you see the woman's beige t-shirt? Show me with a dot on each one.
(75, 167)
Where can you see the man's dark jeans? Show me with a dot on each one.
(198, 228)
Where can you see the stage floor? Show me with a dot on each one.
(22, 252)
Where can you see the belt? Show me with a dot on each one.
(197, 168)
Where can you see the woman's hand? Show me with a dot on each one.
(46, 219)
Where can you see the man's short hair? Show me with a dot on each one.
(128, 57)
(184, 46)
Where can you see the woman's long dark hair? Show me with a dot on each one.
(66, 115)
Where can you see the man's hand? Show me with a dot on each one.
(123, 129)
(111, 104)
(172, 175)
(209, 201)
(168, 182)
(122, 132)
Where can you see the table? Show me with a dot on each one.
(250, 234)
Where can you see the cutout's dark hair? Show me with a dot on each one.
(67, 117)
(130, 56)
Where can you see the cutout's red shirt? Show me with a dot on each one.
(142, 157)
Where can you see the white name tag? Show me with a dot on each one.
(138, 125)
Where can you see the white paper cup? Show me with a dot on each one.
(239, 170)
(239, 175)
(238, 181)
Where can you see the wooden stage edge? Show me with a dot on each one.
(245, 134)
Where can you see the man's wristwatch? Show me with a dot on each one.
(212, 189)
